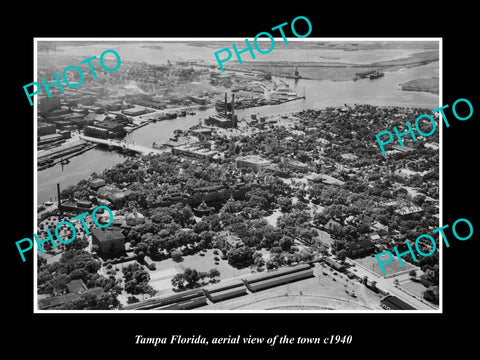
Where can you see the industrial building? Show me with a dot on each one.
(134, 111)
(226, 117)
(195, 151)
(96, 183)
(105, 129)
(46, 129)
(280, 280)
(252, 161)
(219, 122)
(77, 206)
(225, 290)
(95, 131)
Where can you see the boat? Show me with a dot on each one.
(375, 75)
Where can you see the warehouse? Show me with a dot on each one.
(227, 294)
(391, 302)
(225, 290)
(158, 302)
(288, 278)
(275, 273)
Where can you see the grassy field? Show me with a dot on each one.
(431, 85)
(160, 279)
(415, 288)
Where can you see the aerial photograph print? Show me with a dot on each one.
(181, 175)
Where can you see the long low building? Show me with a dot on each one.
(161, 301)
(194, 150)
(225, 290)
(280, 280)
(185, 305)
(276, 273)
(228, 294)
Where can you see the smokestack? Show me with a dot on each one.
(59, 199)
(233, 110)
(225, 109)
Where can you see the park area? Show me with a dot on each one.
(370, 263)
(160, 279)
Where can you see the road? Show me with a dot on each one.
(123, 145)
(389, 285)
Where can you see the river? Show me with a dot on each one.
(318, 94)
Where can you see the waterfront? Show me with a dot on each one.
(80, 167)
(318, 94)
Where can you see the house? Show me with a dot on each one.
(374, 236)
(226, 241)
(76, 286)
(75, 290)
(377, 226)
(332, 224)
(110, 242)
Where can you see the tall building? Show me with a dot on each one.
(226, 117)
(46, 104)
(252, 161)
(110, 242)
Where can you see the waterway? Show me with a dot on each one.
(318, 94)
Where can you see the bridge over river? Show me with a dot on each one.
(123, 145)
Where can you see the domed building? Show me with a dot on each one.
(203, 209)
(134, 218)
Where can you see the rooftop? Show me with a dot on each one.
(395, 303)
(253, 159)
(108, 234)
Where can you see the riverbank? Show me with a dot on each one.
(334, 71)
(430, 85)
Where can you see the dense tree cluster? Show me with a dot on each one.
(136, 280)
(191, 278)
(53, 278)
(90, 301)
(73, 264)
